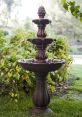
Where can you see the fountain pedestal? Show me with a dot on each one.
(41, 97)
(41, 66)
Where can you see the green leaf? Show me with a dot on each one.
(81, 17)
(72, 8)
(65, 6)
(63, 1)
(72, 3)
(77, 8)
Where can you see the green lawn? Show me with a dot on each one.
(75, 49)
(62, 107)
(66, 106)
(76, 70)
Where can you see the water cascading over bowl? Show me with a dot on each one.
(41, 65)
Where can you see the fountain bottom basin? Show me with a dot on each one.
(47, 66)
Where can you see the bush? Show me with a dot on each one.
(60, 49)
(15, 47)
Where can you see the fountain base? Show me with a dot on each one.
(39, 111)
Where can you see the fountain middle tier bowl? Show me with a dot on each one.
(41, 41)
(48, 66)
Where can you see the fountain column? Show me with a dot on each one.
(41, 97)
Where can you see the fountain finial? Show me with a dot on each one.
(41, 12)
(41, 22)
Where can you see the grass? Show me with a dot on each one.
(61, 107)
(74, 49)
(76, 70)
(66, 106)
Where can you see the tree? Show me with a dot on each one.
(73, 7)
(63, 23)
(9, 4)
(7, 10)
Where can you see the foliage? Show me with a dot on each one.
(15, 47)
(64, 23)
(75, 9)
(60, 49)
(1, 38)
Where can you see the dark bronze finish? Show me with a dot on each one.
(41, 12)
(41, 66)
(41, 45)
(41, 22)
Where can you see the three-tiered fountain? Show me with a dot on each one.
(41, 66)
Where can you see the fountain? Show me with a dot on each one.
(41, 66)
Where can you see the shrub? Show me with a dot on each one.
(60, 49)
(15, 47)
